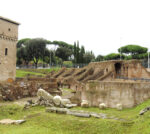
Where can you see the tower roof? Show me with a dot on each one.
(8, 20)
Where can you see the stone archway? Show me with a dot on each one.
(118, 69)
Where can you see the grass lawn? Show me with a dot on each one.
(40, 122)
(34, 72)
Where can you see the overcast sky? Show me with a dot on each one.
(100, 25)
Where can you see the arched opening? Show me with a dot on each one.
(118, 69)
(76, 87)
(106, 69)
(6, 51)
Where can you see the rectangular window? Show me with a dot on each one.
(6, 51)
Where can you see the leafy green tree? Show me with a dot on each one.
(21, 42)
(141, 56)
(63, 44)
(88, 57)
(58, 61)
(63, 53)
(36, 49)
(133, 50)
(75, 52)
(82, 52)
(113, 56)
(46, 56)
(99, 58)
(78, 53)
(23, 56)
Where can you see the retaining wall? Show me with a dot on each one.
(129, 94)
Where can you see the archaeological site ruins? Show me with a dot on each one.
(112, 83)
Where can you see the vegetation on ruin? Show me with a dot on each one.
(40, 122)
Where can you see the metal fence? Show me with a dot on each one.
(41, 66)
(46, 66)
(135, 79)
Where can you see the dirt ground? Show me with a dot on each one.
(20, 102)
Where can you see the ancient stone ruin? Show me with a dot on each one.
(114, 83)
(28, 87)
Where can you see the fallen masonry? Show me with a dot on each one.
(27, 87)
(143, 111)
(79, 113)
(46, 99)
(115, 84)
(9, 121)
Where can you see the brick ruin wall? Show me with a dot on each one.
(108, 85)
(28, 87)
(105, 89)
(129, 94)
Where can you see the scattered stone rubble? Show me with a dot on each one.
(27, 87)
(80, 113)
(144, 110)
(119, 106)
(84, 104)
(102, 106)
(75, 112)
(9, 121)
(46, 99)
(58, 105)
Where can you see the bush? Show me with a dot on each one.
(68, 64)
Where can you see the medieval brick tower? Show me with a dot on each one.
(8, 40)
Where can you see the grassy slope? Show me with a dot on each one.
(34, 72)
(40, 122)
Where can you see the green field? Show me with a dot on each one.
(34, 72)
(40, 122)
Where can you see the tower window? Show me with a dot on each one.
(9, 29)
(6, 51)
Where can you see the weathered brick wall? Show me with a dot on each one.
(28, 87)
(129, 94)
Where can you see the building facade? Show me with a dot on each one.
(8, 41)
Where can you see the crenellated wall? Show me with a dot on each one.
(8, 40)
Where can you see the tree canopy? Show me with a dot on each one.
(63, 53)
(61, 44)
(113, 56)
(99, 58)
(88, 57)
(132, 49)
(36, 49)
(21, 42)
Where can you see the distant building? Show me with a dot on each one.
(8, 41)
